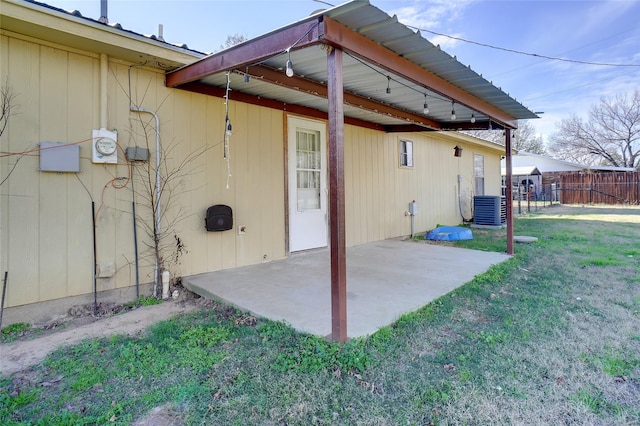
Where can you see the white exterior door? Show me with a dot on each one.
(307, 184)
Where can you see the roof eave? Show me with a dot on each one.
(35, 20)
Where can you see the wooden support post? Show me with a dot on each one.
(337, 239)
(508, 191)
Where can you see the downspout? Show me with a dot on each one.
(134, 108)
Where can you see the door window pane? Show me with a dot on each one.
(308, 161)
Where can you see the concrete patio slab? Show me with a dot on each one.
(385, 279)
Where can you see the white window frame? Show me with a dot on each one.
(406, 153)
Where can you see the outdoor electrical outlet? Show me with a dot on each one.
(242, 229)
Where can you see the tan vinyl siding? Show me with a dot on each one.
(48, 237)
(46, 234)
(378, 190)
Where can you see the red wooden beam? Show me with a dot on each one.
(337, 238)
(342, 37)
(404, 128)
(314, 88)
(301, 34)
(478, 125)
(508, 189)
(238, 96)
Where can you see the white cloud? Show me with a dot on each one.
(600, 12)
(433, 15)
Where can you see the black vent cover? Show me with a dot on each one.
(219, 218)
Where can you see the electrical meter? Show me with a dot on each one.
(104, 146)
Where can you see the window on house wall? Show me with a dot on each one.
(406, 153)
(478, 172)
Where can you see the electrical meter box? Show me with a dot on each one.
(104, 147)
(59, 157)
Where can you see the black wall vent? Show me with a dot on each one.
(219, 218)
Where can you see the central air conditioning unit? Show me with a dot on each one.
(489, 210)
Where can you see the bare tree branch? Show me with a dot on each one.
(524, 138)
(609, 136)
(6, 106)
(232, 40)
(7, 109)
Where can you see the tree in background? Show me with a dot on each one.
(232, 40)
(610, 135)
(524, 138)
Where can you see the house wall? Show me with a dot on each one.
(46, 219)
(378, 190)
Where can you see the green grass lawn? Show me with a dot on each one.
(551, 336)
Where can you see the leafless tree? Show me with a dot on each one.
(609, 136)
(161, 213)
(157, 185)
(232, 40)
(524, 138)
(6, 107)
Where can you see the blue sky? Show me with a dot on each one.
(591, 31)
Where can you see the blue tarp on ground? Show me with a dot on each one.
(449, 233)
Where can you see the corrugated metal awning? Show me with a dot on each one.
(389, 72)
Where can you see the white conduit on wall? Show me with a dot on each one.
(104, 71)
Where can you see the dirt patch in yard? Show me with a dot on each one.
(34, 344)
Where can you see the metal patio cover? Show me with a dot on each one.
(379, 52)
(355, 64)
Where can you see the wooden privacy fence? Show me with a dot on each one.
(600, 188)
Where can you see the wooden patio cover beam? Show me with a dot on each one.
(276, 43)
(508, 188)
(314, 88)
(342, 37)
(326, 30)
(239, 96)
(337, 233)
